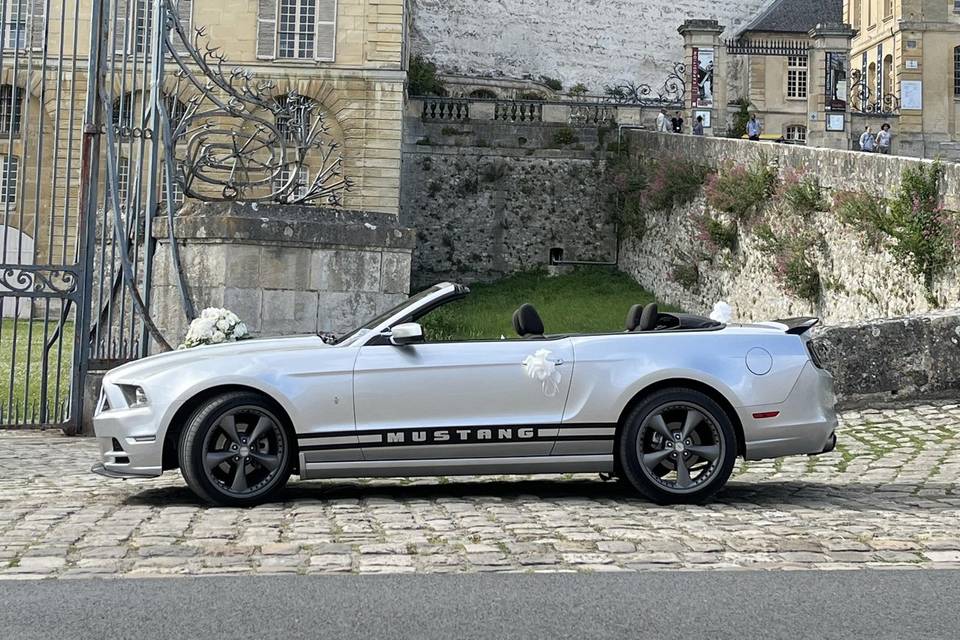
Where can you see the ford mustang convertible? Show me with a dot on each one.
(666, 405)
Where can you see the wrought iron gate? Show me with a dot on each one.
(111, 112)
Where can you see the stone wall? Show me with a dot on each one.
(893, 360)
(283, 269)
(596, 43)
(859, 283)
(482, 212)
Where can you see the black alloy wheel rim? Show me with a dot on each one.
(244, 451)
(680, 447)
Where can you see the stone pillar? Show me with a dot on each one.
(283, 269)
(827, 39)
(705, 35)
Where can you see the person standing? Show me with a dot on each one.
(663, 123)
(884, 139)
(698, 127)
(677, 122)
(753, 128)
(867, 142)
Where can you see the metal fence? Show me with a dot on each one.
(43, 86)
(111, 113)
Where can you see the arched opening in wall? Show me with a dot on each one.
(796, 134)
(18, 250)
(888, 87)
(872, 79)
(483, 94)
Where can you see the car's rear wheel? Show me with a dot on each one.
(235, 450)
(678, 446)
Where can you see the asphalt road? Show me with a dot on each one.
(855, 604)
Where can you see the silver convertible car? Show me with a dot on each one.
(667, 404)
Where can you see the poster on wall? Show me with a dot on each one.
(911, 94)
(703, 60)
(836, 81)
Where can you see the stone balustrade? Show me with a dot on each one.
(590, 111)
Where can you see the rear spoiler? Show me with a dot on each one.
(798, 326)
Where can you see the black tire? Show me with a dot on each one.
(250, 471)
(657, 475)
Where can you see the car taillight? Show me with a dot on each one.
(814, 358)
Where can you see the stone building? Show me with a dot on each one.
(905, 58)
(779, 84)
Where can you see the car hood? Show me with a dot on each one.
(197, 356)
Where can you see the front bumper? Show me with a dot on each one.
(101, 470)
(130, 446)
(806, 422)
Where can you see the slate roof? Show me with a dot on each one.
(796, 16)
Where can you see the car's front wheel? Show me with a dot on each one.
(678, 446)
(235, 450)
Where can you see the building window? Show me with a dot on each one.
(294, 119)
(122, 115)
(299, 188)
(123, 183)
(956, 72)
(178, 195)
(797, 133)
(855, 13)
(797, 77)
(141, 23)
(888, 86)
(887, 8)
(9, 178)
(11, 108)
(298, 28)
(15, 24)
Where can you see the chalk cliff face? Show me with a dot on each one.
(596, 42)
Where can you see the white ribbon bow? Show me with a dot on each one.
(540, 368)
(722, 313)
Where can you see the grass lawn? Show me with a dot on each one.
(27, 400)
(589, 300)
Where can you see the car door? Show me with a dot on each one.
(458, 399)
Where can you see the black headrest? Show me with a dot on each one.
(633, 317)
(527, 322)
(649, 318)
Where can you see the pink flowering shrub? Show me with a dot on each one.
(741, 191)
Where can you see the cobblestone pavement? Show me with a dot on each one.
(888, 497)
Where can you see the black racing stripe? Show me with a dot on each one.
(326, 434)
(335, 434)
(407, 443)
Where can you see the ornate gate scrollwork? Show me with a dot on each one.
(670, 93)
(236, 139)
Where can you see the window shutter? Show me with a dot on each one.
(326, 30)
(267, 29)
(37, 24)
(185, 11)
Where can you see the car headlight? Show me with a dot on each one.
(134, 395)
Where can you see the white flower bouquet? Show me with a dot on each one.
(215, 326)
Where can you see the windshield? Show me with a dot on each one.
(383, 317)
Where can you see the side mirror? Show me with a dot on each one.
(406, 333)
